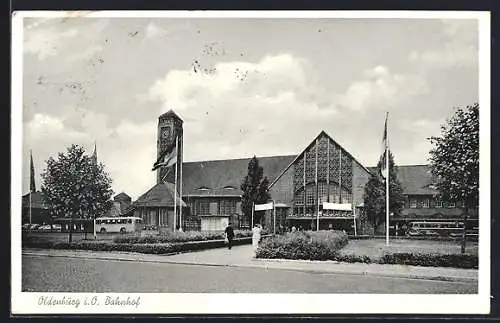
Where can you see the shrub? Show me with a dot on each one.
(318, 245)
(177, 236)
(466, 261)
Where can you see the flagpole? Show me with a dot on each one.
(175, 188)
(180, 187)
(31, 189)
(387, 185)
(253, 207)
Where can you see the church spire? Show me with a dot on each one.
(94, 155)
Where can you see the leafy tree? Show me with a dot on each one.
(374, 195)
(255, 190)
(455, 160)
(75, 186)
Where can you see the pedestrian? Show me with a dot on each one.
(229, 236)
(256, 232)
(294, 229)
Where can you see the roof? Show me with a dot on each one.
(122, 196)
(161, 194)
(115, 210)
(223, 177)
(170, 113)
(415, 179)
(37, 201)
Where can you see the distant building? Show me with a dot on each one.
(39, 208)
(124, 201)
(299, 185)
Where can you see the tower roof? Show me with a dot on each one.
(122, 196)
(170, 113)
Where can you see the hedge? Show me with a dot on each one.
(466, 261)
(310, 245)
(169, 237)
(146, 248)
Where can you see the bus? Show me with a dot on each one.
(448, 228)
(118, 224)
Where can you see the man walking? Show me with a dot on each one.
(229, 235)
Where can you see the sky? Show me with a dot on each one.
(243, 87)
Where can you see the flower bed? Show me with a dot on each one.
(318, 245)
(171, 237)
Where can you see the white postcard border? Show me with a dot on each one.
(217, 303)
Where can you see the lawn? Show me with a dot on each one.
(375, 248)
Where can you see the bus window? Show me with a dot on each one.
(129, 221)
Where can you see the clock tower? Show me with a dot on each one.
(169, 131)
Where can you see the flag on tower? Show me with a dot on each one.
(32, 174)
(385, 147)
(168, 157)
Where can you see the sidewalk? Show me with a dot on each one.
(242, 256)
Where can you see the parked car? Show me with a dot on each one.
(56, 227)
(25, 226)
(45, 228)
(413, 233)
(34, 226)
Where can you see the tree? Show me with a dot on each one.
(75, 186)
(374, 195)
(255, 190)
(455, 160)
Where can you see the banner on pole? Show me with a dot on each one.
(337, 206)
(262, 207)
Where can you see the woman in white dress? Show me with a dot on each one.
(256, 232)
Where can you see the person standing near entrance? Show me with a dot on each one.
(256, 233)
(229, 236)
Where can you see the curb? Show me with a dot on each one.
(367, 272)
(305, 270)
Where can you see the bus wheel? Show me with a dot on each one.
(103, 230)
(123, 230)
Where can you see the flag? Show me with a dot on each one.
(385, 147)
(168, 157)
(32, 174)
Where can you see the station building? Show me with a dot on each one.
(322, 172)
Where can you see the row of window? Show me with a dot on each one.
(113, 221)
(430, 203)
(334, 197)
(210, 207)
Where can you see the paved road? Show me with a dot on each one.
(59, 274)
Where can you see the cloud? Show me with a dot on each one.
(127, 150)
(45, 43)
(273, 106)
(459, 46)
(380, 89)
(154, 31)
(277, 95)
(87, 53)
